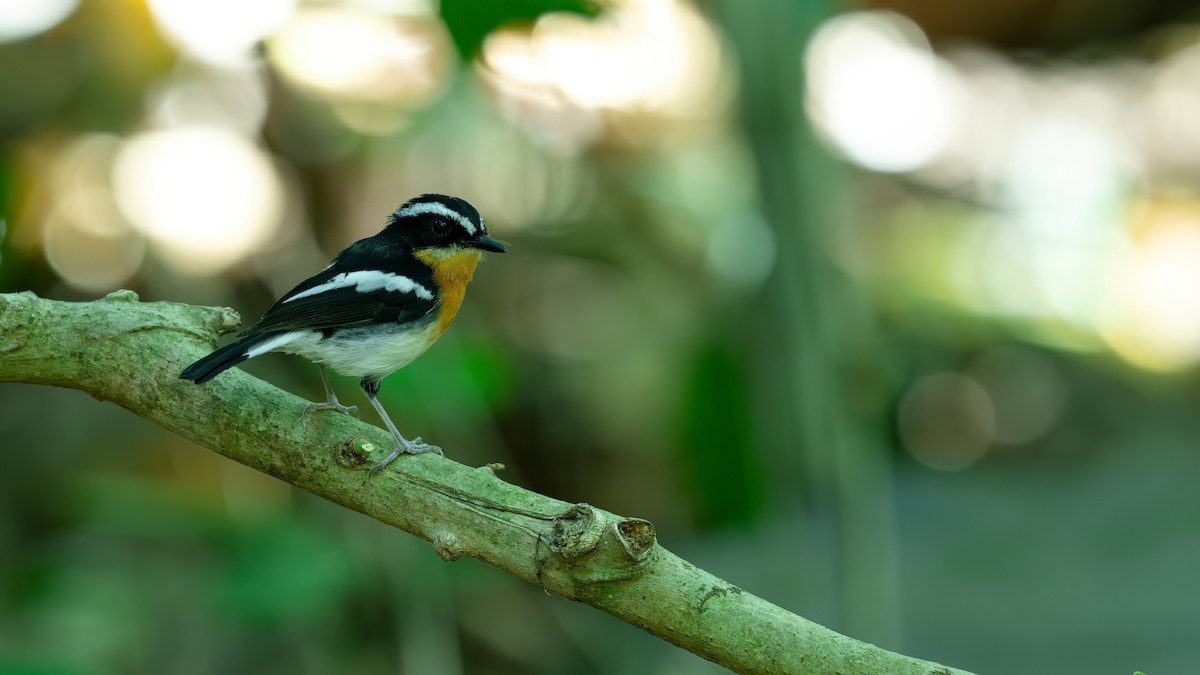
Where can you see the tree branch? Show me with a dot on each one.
(131, 353)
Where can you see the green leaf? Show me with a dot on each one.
(470, 22)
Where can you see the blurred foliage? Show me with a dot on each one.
(848, 390)
(718, 454)
(470, 22)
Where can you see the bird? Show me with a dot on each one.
(378, 306)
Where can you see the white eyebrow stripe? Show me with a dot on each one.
(365, 281)
(440, 209)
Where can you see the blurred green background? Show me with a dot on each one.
(887, 312)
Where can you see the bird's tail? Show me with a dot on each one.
(227, 357)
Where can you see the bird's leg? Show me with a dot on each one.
(370, 386)
(331, 401)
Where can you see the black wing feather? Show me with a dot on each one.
(345, 307)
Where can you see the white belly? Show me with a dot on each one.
(358, 352)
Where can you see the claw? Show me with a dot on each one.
(328, 405)
(416, 447)
(406, 447)
(370, 387)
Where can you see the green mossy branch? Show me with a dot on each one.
(130, 353)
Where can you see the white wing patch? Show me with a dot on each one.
(440, 209)
(366, 281)
(274, 343)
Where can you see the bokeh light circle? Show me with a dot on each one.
(946, 421)
(204, 197)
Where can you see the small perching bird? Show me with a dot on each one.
(380, 304)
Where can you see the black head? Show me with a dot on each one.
(438, 221)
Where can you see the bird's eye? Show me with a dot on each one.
(441, 227)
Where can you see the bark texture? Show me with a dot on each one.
(130, 353)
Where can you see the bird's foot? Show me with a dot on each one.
(328, 405)
(417, 446)
(405, 447)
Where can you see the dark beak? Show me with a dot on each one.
(488, 244)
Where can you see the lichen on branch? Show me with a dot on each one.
(130, 353)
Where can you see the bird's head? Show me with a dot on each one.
(440, 227)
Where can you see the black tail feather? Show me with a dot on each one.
(221, 360)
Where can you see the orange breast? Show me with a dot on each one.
(452, 273)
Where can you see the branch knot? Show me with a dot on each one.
(637, 536)
(123, 295)
(576, 531)
(447, 546)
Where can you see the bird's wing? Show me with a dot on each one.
(366, 284)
